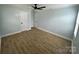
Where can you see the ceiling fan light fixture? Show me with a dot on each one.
(38, 8)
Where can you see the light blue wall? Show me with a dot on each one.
(76, 39)
(0, 29)
(60, 21)
(10, 22)
(0, 21)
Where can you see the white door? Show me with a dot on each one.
(24, 21)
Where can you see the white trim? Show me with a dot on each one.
(10, 34)
(53, 33)
(40, 29)
(72, 47)
(15, 32)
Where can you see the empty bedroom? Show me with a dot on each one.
(38, 28)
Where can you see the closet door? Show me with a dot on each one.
(24, 21)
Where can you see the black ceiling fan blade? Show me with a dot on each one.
(39, 8)
(43, 7)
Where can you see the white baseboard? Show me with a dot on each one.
(53, 33)
(15, 32)
(10, 34)
(40, 29)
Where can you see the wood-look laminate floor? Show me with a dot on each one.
(34, 41)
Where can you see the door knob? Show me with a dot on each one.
(21, 22)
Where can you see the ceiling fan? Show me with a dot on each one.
(39, 8)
